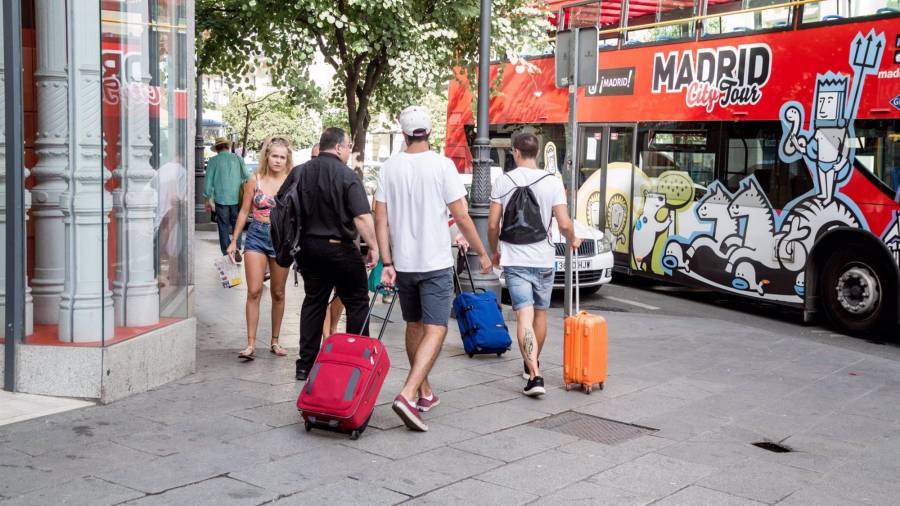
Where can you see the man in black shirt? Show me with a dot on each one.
(335, 211)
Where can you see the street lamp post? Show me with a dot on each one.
(200, 214)
(481, 172)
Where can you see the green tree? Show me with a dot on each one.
(275, 114)
(386, 54)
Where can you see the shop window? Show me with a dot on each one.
(729, 19)
(877, 147)
(753, 150)
(836, 10)
(653, 12)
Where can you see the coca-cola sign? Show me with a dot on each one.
(122, 79)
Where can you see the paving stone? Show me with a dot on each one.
(384, 418)
(452, 380)
(283, 441)
(555, 401)
(309, 469)
(699, 496)
(476, 395)
(221, 491)
(711, 453)
(86, 490)
(688, 389)
(619, 453)
(491, 418)
(402, 442)
(760, 481)
(346, 491)
(814, 496)
(473, 490)
(654, 474)
(427, 471)
(635, 406)
(547, 472)
(855, 429)
(590, 494)
(181, 469)
(516, 443)
(684, 423)
(273, 415)
(879, 405)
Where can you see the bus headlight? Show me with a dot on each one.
(603, 245)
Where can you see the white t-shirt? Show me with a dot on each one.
(416, 189)
(549, 193)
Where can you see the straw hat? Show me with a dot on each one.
(222, 141)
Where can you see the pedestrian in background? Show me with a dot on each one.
(415, 189)
(225, 173)
(335, 211)
(259, 199)
(525, 252)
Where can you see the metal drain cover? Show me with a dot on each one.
(592, 428)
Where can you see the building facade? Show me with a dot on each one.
(108, 89)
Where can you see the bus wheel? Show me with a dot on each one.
(858, 291)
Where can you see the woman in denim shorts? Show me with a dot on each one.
(259, 198)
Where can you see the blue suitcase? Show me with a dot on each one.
(480, 320)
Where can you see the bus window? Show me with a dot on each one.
(834, 10)
(727, 23)
(580, 16)
(877, 144)
(610, 18)
(645, 12)
(753, 150)
(682, 150)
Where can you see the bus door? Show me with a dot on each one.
(606, 166)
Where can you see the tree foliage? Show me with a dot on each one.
(386, 54)
(273, 114)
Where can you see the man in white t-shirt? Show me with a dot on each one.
(416, 187)
(525, 251)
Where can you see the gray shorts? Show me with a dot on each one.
(426, 296)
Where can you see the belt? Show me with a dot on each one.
(331, 240)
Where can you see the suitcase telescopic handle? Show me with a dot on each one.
(577, 293)
(465, 261)
(378, 289)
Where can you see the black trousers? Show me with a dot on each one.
(327, 266)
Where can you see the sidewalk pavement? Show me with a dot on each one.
(230, 434)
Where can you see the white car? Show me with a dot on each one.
(595, 258)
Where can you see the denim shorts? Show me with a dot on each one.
(258, 239)
(529, 286)
(426, 296)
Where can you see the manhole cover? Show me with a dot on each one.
(592, 428)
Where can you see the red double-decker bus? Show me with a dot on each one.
(738, 145)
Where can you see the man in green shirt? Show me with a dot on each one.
(225, 173)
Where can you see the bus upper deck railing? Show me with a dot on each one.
(698, 21)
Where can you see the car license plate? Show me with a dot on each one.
(582, 265)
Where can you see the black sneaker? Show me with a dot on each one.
(534, 387)
(527, 374)
(302, 372)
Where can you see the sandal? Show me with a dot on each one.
(244, 355)
(277, 349)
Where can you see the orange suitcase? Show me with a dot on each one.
(585, 353)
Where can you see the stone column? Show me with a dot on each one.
(86, 302)
(135, 288)
(53, 159)
(29, 310)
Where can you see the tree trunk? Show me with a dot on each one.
(358, 131)
(246, 132)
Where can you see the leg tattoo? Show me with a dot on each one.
(530, 345)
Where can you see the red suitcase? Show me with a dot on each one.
(345, 380)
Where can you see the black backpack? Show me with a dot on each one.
(522, 222)
(286, 221)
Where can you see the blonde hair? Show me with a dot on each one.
(275, 140)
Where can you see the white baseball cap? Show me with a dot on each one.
(415, 120)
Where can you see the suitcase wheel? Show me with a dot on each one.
(307, 425)
(588, 388)
(471, 355)
(500, 354)
(600, 386)
(355, 435)
(567, 387)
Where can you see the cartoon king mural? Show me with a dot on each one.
(748, 246)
